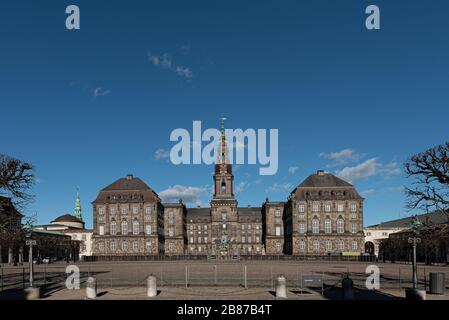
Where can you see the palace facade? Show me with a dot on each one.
(322, 216)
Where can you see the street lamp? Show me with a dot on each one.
(416, 225)
(29, 242)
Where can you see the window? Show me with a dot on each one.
(315, 226)
(191, 227)
(249, 227)
(302, 208)
(278, 230)
(101, 230)
(136, 227)
(340, 226)
(113, 246)
(170, 214)
(316, 245)
(341, 245)
(100, 211)
(353, 227)
(148, 229)
(199, 239)
(135, 209)
(191, 240)
(243, 227)
(223, 186)
(354, 245)
(368, 234)
(171, 232)
(243, 239)
(205, 239)
(205, 227)
(278, 247)
(249, 239)
(135, 246)
(328, 245)
(257, 239)
(171, 247)
(112, 211)
(84, 237)
(316, 207)
(277, 213)
(101, 246)
(302, 245)
(353, 207)
(340, 207)
(257, 227)
(100, 218)
(124, 210)
(124, 227)
(302, 228)
(148, 210)
(113, 228)
(224, 226)
(148, 246)
(125, 246)
(353, 215)
(328, 226)
(223, 216)
(327, 207)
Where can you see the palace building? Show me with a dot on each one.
(322, 216)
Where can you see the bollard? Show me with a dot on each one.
(347, 286)
(281, 287)
(151, 286)
(415, 294)
(32, 293)
(91, 288)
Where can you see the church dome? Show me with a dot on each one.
(69, 221)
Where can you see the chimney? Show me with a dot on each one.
(320, 172)
(129, 177)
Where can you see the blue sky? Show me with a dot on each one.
(87, 107)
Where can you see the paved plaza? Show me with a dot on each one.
(221, 279)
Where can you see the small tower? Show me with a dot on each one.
(77, 211)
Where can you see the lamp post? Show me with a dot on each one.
(414, 293)
(416, 225)
(29, 242)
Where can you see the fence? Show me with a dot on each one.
(232, 274)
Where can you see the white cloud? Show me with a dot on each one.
(279, 187)
(188, 194)
(165, 61)
(368, 192)
(161, 154)
(98, 92)
(369, 168)
(239, 188)
(390, 169)
(292, 169)
(359, 172)
(342, 157)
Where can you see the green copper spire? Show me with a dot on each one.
(77, 210)
(222, 126)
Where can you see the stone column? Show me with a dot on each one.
(91, 288)
(151, 286)
(281, 287)
(21, 255)
(10, 256)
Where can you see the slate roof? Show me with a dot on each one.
(432, 218)
(324, 186)
(133, 187)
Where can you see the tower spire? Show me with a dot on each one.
(77, 211)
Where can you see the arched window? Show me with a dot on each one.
(113, 228)
(124, 227)
(136, 227)
(340, 226)
(327, 226)
(223, 186)
(315, 226)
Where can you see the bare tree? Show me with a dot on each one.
(430, 189)
(16, 178)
